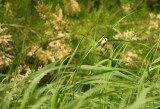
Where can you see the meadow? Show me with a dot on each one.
(51, 55)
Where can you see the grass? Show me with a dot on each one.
(102, 84)
(87, 78)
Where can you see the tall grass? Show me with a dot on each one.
(102, 84)
(87, 78)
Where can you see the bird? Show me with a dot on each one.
(104, 41)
